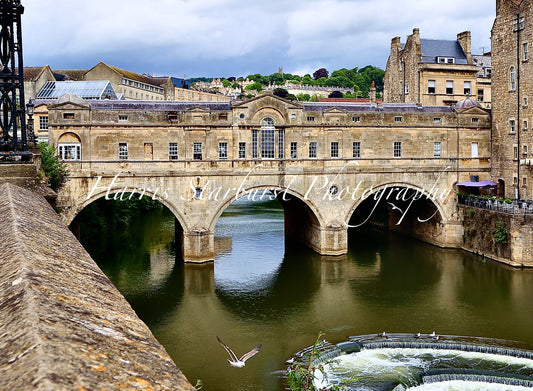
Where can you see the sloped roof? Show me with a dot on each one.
(32, 73)
(133, 76)
(101, 89)
(70, 74)
(433, 48)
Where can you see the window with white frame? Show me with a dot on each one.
(432, 87)
(242, 150)
(122, 117)
(43, 123)
(123, 151)
(310, 118)
(312, 150)
(480, 94)
(524, 150)
(294, 150)
(254, 143)
(197, 151)
(437, 149)
(223, 150)
(512, 125)
(512, 79)
(334, 151)
(449, 87)
(173, 151)
(515, 152)
(524, 124)
(524, 51)
(398, 119)
(281, 143)
(397, 149)
(69, 151)
(356, 119)
(437, 120)
(474, 150)
(356, 149)
(467, 89)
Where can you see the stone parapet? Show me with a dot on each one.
(64, 325)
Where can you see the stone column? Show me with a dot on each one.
(198, 246)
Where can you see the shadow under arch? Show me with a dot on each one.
(403, 208)
(301, 216)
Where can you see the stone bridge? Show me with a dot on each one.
(328, 163)
(320, 200)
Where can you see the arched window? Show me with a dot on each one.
(512, 79)
(267, 138)
(69, 147)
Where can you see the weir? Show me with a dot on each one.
(405, 361)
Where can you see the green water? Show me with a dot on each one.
(261, 289)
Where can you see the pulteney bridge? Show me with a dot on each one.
(337, 171)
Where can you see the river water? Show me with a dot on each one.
(261, 289)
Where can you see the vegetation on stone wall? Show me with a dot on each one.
(53, 168)
(501, 232)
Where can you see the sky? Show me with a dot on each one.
(223, 38)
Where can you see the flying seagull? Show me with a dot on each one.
(394, 207)
(239, 362)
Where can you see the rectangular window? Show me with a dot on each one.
(122, 117)
(449, 87)
(525, 101)
(294, 150)
(356, 119)
(356, 149)
(398, 119)
(524, 51)
(267, 142)
(475, 120)
(68, 115)
(397, 149)
(69, 151)
(437, 120)
(310, 118)
(281, 143)
(254, 143)
(480, 95)
(334, 149)
(223, 150)
(515, 152)
(172, 151)
(518, 24)
(123, 151)
(512, 125)
(43, 123)
(474, 150)
(437, 149)
(197, 151)
(432, 87)
(312, 150)
(242, 150)
(467, 90)
(524, 123)
(524, 150)
(407, 89)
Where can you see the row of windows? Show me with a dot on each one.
(223, 150)
(140, 85)
(432, 87)
(512, 125)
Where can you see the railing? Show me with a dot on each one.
(509, 206)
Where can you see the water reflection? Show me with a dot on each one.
(263, 289)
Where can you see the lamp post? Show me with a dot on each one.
(32, 137)
(12, 111)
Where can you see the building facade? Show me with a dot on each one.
(433, 72)
(512, 36)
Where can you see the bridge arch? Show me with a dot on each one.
(284, 194)
(405, 208)
(69, 216)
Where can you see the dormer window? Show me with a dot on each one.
(446, 60)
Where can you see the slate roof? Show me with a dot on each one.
(159, 105)
(32, 73)
(69, 74)
(433, 48)
(386, 107)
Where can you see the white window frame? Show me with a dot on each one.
(223, 150)
(44, 123)
(123, 151)
(172, 151)
(397, 149)
(294, 150)
(242, 150)
(474, 149)
(356, 149)
(312, 150)
(70, 151)
(437, 149)
(334, 149)
(432, 87)
(197, 151)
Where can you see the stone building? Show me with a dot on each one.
(512, 35)
(433, 72)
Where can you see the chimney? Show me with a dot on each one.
(465, 40)
(372, 92)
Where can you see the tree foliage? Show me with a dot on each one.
(54, 169)
(321, 73)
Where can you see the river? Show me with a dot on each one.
(261, 289)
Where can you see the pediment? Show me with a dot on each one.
(473, 110)
(335, 110)
(268, 99)
(68, 106)
(197, 109)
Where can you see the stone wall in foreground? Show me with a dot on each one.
(64, 326)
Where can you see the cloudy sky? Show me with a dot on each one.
(225, 38)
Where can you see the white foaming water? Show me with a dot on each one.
(404, 365)
(459, 385)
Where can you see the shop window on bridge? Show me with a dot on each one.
(281, 143)
(437, 149)
(123, 151)
(356, 149)
(223, 151)
(254, 143)
(312, 150)
(69, 151)
(172, 151)
(242, 150)
(197, 151)
(334, 149)
(294, 150)
(397, 149)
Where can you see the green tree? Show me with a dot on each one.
(281, 92)
(55, 170)
(321, 73)
(255, 86)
